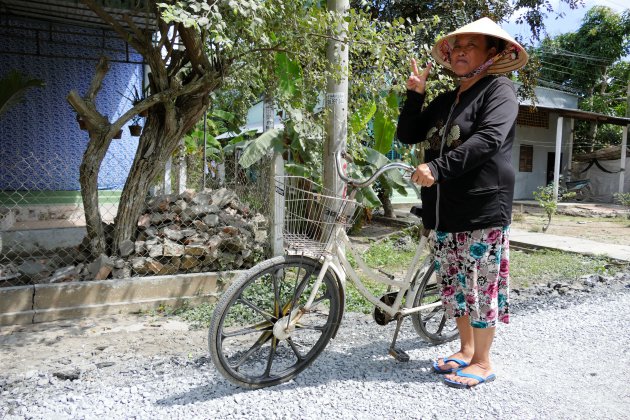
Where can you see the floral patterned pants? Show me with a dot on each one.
(472, 270)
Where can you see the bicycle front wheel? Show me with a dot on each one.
(243, 345)
(431, 323)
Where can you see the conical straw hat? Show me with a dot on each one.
(484, 26)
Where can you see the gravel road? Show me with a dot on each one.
(561, 357)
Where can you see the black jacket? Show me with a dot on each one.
(473, 167)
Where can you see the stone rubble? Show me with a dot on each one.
(191, 232)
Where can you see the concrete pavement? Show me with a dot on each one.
(569, 244)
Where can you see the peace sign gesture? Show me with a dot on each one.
(417, 81)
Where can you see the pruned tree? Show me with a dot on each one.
(186, 65)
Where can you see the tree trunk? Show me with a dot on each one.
(88, 178)
(158, 142)
(385, 197)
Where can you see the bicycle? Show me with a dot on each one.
(277, 317)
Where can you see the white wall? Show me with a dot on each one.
(603, 185)
(544, 141)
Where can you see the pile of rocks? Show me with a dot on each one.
(191, 232)
(208, 231)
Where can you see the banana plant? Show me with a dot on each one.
(13, 87)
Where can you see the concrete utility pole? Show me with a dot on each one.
(336, 98)
(277, 170)
(624, 143)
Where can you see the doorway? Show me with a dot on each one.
(551, 160)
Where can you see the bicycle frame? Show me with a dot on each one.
(405, 287)
(340, 241)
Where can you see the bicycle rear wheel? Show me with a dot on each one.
(242, 342)
(431, 323)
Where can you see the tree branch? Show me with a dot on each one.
(118, 28)
(164, 36)
(102, 67)
(195, 49)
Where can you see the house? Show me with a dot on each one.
(534, 150)
(542, 151)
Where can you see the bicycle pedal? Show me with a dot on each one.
(399, 355)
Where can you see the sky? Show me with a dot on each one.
(572, 20)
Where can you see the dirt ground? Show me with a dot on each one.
(86, 344)
(607, 224)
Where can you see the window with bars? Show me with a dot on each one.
(537, 118)
(526, 158)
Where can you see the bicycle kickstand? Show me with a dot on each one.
(398, 354)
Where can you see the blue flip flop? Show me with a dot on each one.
(461, 363)
(455, 384)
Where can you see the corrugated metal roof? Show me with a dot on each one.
(74, 12)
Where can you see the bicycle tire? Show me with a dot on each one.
(431, 324)
(242, 343)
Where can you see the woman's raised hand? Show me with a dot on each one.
(418, 81)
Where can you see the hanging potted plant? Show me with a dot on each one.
(135, 129)
(135, 97)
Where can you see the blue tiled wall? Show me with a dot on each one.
(41, 145)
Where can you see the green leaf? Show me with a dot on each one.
(259, 147)
(224, 115)
(297, 170)
(12, 89)
(384, 130)
(360, 119)
(211, 141)
(368, 197)
(384, 124)
(289, 74)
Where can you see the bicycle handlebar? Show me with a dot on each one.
(364, 183)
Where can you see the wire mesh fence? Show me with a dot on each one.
(181, 228)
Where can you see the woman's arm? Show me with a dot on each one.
(411, 125)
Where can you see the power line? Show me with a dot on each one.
(573, 53)
(558, 86)
(566, 53)
(573, 70)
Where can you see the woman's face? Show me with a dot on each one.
(469, 52)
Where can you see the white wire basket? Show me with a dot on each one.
(312, 214)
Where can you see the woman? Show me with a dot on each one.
(468, 184)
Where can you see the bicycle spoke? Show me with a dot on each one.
(261, 326)
(276, 295)
(295, 350)
(309, 327)
(264, 337)
(272, 351)
(317, 301)
(264, 314)
(435, 311)
(295, 290)
(242, 343)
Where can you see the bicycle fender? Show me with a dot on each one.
(342, 295)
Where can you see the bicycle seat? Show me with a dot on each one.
(416, 211)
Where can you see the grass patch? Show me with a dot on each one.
(526, 269)
(355, 302)
(542, 266)
(198, 316)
